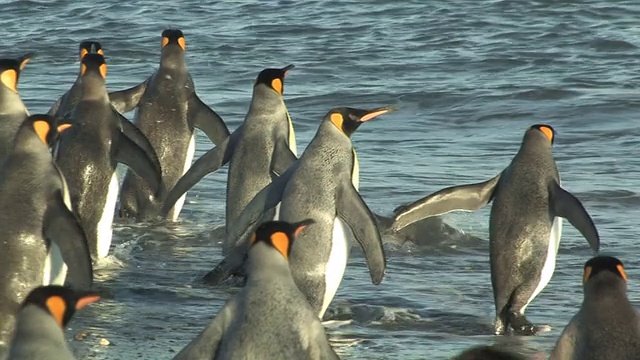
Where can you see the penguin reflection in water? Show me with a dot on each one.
(524, 226)
(270, 317)
(607, 326)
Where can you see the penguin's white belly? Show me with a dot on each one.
(550, 261)
(55, 270)
(191, 150)
(276, 216)
(105, 225)
(336, 264)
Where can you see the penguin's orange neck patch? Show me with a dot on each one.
(337, 120)
(103, 71)
(622, 272)
(83, 53)
(281, 242)
(182, 43)
(276, 84)
(57, 307)
(165, 41)
(548, 132)
(9, 78)
(83, 69)
(41, 128)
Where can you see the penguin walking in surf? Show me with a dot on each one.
(42, 241)
(607, 326)
(12, 110)
(167, 112)
(269, 318)
(69, 99)
(524, 227)
(89, 152)
(321, 185)
(41, 321)
(260, 149)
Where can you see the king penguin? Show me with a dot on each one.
(167, 112)
(524, 227)
(321, 185)
(69, 99)
(39, 233)
(12, 110)
(40, 323)
(607, 326)
(264, 143)
(89, 152)
(269, 318)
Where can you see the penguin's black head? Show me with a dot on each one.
(93, 64)
(173, 36)
(10, 71)
(90, 47)
(59, 301)
(600, 264)
(547, 130)
(279, 234)
(348, 119)
(43, 126)
(274, 78)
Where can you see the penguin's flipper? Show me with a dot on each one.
(204, 118)
(356, 214)
(126, 100)
(566, 342)
(54, 109)
(232, 264)
(62, 227)
(567, 206)
(133, 156)
(213, 160)
(464, 197)
(136, 136)
(282, 157)
(205, 345)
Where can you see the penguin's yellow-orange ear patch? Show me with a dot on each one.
(165, 41)
(182, 43)
(83, 53)
(42, 129)
(63, 127)
(276, 84)
(338, 120)
(103, 71)
(622, 272)
(281, 242)
(253, 239)
(57, 307)
(86, 300)
(83, 69)
(9, 78)
(101, 52)
(548, 132)
(587, 274)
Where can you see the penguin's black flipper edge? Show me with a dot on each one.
(282, 158)
(569, 207)
(62, 227)
(469, 197)
(355, 213)
(126, 100)
(204, 118)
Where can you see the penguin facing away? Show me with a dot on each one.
(264, 144)
(269, 318)
(607, 326)
(41, 321)
(167, 112)
(524, 227)
(69, 99)
(41, 236)
(321, 185)
(90, 151)
(12, 110)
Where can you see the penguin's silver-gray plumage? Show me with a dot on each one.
(269, 318)
(90, 151)
(607, 326)
(39, 232)
(12, 110)
(524, 227)
(321, 185)
(167, 112)
(260, 149)
(41, 321)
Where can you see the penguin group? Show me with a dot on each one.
(290, 218)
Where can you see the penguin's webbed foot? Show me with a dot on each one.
(520, 325)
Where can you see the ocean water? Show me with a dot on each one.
(468, 78)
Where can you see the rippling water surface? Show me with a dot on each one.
(468, 77)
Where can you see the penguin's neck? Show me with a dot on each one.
(267, 264)
(10, 102)
(94, 89)
(37, 326)
(173, 62)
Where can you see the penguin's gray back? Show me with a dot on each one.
(38, 337)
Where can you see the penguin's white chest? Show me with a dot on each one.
(191, 150)
(105, 224)
(336, 263)
(54, 270)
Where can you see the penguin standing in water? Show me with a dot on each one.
(69, 99)
(269, 318)
(321, 185)
(41, 321)
(168, 111)
(524, 227)
(264, 144)
(607, 326)
(89, 152)
(12, 110)
(39, 232)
